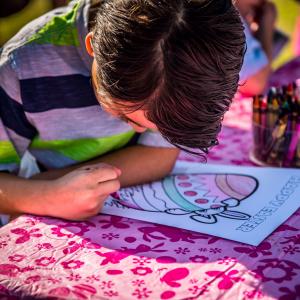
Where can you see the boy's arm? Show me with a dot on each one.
(139, 164)
(78, 195)
(79, 192)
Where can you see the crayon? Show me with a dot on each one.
(263, 112)
(263, 123)
(276, 126)
(274, 112)
(273, 121)
(285, 108)
(270, 110)
(297, 100)
(283, 151)
(278, 139)
(294, 141)
(297, 155)
(256, 123)
(255, 117)
(297, 94)
(263, 118)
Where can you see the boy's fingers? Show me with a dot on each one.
(103, 175)
(96, 209)
(108, 187)
(95, 166)
(103, 172)
(119, 172)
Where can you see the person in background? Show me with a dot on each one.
(259, 18)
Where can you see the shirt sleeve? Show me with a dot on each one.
(255, 58)
(153, 139)
(16, 132)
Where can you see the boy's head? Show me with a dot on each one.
(171, 65)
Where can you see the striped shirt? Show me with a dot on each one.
(47, 104)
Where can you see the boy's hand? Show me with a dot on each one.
(81, 193)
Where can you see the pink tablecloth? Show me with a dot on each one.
(110, 257)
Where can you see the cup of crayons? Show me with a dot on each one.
(276, 127)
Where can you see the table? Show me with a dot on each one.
(109, 257)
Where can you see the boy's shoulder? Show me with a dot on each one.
(60, 30)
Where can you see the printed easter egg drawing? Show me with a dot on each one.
(204, 197)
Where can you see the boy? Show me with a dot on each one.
(168, 66)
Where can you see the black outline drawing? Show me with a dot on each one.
(207, 216)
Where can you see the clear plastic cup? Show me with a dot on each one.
(275, 146)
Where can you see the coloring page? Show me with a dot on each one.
(244, 204)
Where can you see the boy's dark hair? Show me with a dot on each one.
(179, 60)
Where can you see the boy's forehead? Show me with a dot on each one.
(136, 117)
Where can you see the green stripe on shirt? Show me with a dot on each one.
(8, 153)
(84, 149)
(60, 30)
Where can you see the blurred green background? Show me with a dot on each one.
(14, 14)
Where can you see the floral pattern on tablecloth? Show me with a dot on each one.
(109, 257)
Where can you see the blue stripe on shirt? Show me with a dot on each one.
(45, 93)
(13, 116)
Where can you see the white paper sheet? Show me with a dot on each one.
(243, 204)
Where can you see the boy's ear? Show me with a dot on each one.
(88, 44)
